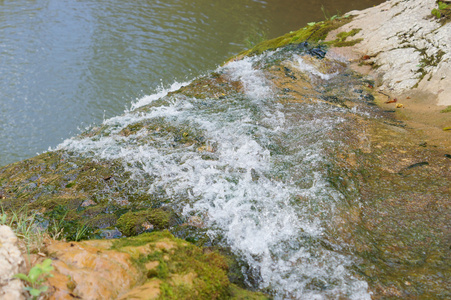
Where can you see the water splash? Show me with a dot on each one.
(310, 69)
(257, 183)
(161, 92)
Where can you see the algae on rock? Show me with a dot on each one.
(149, 266)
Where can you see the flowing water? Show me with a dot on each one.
(67, 64)
(250, 167)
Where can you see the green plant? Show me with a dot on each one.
(24, 225)
(327, 17)
(36, 277)
(442, 12)
(81, 232)
(442, 5)
(436, 12)
(3, 218)
(56, 228)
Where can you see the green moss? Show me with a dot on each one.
(446, 110)
(162, 270)
(341, 41)
(313, 33)
(206, 272)
(343, 35)
(141, 239)
(238, 293)
(133, 223)
(442, 12)
(346, 43)
(71, 184)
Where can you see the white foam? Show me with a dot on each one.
(255, 84)
(246, 193)
(310, 69)
(161, 92)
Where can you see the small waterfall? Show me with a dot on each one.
(250, 166)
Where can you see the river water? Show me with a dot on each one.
(67, 64)
(248, 164)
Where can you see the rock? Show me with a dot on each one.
(110, 233)
(88, 202)
(90, 270)
(411, 48)
(148, 266)
(196, 221)
(11, 262)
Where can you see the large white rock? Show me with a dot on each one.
(404, 40)
(10, 262)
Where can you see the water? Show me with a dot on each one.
(67, 64)
(252, 168)
(258, 182)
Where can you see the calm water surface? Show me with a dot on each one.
(65, 64)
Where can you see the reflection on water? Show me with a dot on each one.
(65, 64)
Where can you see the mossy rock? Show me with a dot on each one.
(183, 270)
(148, 266)
(133, 223)
(313, 33)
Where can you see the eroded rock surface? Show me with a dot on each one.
(409, 46)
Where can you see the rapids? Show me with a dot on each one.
(250, 164)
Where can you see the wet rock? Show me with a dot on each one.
(11, 263)
(90, 270)
(196, 221)
(110, 233)
(318, 52)
(423, 163)
(364, 169)
(88, 202)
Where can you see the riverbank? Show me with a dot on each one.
(406, 49)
